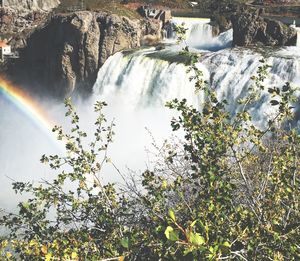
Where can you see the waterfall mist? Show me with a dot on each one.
(136, 85)
(22, 144)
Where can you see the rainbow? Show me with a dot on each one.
(27, 105)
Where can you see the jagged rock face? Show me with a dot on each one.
(251, 28)
(17, 24)
(67, 53)
(20, 17)
(45, 5)
(220, 23)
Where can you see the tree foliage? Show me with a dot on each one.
(229, 190)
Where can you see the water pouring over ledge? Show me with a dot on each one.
(199, 34)
(137, 84)
(150, 77)
(298, 33)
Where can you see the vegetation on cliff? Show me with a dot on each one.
(113, 7)
(133, 4)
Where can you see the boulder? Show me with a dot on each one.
(250, 28)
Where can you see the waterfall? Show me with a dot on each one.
(298, 37)
(199, 34)
(294, 25)
(149, 78)
(137, 84)
(143, 79)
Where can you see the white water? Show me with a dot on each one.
(199, 34)
(298, 37)
(149, 77)
(138, 84)
(140, 81)
(294, 25)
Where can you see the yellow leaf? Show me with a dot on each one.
(164, 184)
(4, 243)
(82, 184)
(32, 242)
(8, 255)
(74, 255)
(44, 249)
(121, 258)
(48, 257)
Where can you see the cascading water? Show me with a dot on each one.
(298, 37)
(138, 83)
(294, 25)
(141, 79)
(149, 77)
(144, 79)
(199, 34)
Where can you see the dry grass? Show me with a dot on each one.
(95, 5)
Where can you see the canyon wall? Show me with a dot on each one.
(45, 5)
(250, 28)
(66, 54)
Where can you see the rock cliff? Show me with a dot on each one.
(220, 23)
(20, 17)
(250, 28)
(67, 53)
(32, 5)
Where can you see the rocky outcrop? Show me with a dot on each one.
(21, 17)
(16, 24)
(31, 5)
(163, 15)
(267, 2)
(220, 23)
(67, 53)
(249, 28)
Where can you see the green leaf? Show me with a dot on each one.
(193, 223)
(226, 244)
(171, 234)
(187, 251)
(197, 239)
(25, 205)
(125, 242)
(172, 215)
